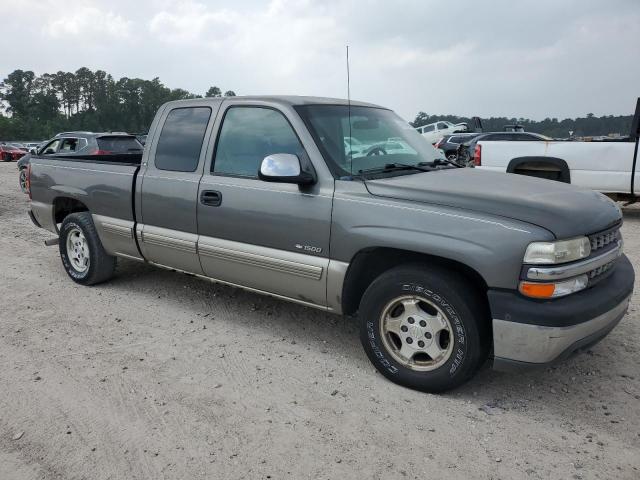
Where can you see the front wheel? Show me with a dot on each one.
(424, 328)
(81, 251)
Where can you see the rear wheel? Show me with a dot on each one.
(81, 251)
(22, 179)
(424, 328)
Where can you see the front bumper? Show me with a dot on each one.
(529, 333)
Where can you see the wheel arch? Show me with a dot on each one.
(558, 164)
(64, 206)
(369, 263)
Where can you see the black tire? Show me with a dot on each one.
(460, 303)
(100, 266)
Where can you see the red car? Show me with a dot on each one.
(9, 153)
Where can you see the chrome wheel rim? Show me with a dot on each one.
(23, 180)
(77, 250)
(416, 333)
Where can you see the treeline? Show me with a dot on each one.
(36, 107)
(589, 126)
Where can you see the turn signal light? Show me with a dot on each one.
(537, 290)
(554, 290)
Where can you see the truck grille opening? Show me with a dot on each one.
(594, 274)
(602, 239)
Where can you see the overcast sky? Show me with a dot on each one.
(534, 59)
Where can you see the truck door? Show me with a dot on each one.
(272, 237)
(168, 229)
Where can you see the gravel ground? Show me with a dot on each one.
(160, 375)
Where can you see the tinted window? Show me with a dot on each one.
(527, 137)
(68, 145)
(181, 139)
(248, 135)
(119, 144)
(497, 136)
(442, 126)
(51, 148)
(429, 128)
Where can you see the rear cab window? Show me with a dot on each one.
(119, 144)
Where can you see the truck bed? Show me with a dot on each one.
(103, 184)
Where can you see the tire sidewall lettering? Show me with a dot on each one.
(459, 333)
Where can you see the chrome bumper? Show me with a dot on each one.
(519, 344)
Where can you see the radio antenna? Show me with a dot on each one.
(349, 112)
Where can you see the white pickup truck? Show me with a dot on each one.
(602, 166)
(610, 167)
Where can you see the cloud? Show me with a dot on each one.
(501, 57)
(87, 22)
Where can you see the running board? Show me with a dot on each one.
(51, 242)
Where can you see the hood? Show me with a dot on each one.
(565, 210)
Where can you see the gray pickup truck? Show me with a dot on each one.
(346, 208)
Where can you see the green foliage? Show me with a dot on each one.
(213, 92)
(38, 107)
(552, 127)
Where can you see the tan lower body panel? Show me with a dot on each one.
(116, 236)
(289, 274)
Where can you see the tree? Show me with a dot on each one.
(17, 91)
(229, 93)
(213, 92)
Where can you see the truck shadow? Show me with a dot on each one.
(578, 389)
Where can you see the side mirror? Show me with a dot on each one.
(284, 168)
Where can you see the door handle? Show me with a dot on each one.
(213, 198)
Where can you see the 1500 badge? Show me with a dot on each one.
(308, 248)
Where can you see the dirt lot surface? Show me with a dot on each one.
(159, 375)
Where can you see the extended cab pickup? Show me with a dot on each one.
(443, 266)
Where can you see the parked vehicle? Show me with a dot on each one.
(609, 166)
(32, 147)
(435, 131)
(81, 144)
(9, 153)
(449, 144)
(18, 145)
(606, 167)
(467, 149)
(442, 265)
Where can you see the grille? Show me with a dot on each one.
(593, 274)
(602, 239)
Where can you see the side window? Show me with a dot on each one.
(429, 128)
(68, 145)
(442, 126)
(249, 134)
(181, 139)
(51, 148)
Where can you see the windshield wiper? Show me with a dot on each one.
(442, 161)
(394, 167)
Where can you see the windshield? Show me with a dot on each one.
(376, 137)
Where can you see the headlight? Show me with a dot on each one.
(562, 251)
